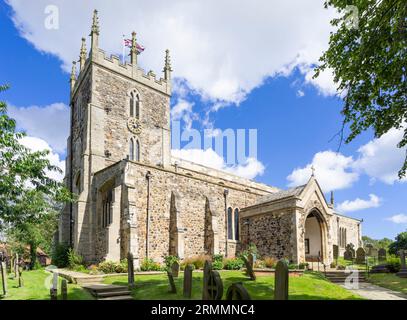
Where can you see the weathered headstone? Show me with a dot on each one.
(20, 276)
(214, 286)
(382, 255)
(369, 248)
(130, 270)
(3, 278)
(249, 266)
(172, 288)
(403, 269)
(54, 288)
(188, 281)
(360, 255)
(281, 281)
(64, 289)
(175, 269)
(206, 273)
(349, 253)
(237, 292)
(335, 250)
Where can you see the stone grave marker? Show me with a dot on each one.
(3, 277)
(281, 281)
(349, 253)
(206, 273)
(335, 250)
(360, 256)
(237, 291)
(175, 269)
(64, 289)
(172, 288)
(16, 261)
(54, 288)
(382, 255)
(20, 277)
(369, 248)
(130, 270)
(188, 281)
(249, 266)
(214, 286)
(403, 269)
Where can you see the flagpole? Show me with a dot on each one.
(124, 48)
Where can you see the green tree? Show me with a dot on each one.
(382, 243)
(399, 244)
(26, 191)
(369, 62)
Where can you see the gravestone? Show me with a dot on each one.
(172, 288)
(382, 255)
(20, 277)
(214, 286)
(175, 269)
(403, 269)
(349, 253)
(3, 277)
(249, 266)
(188, 281)
(130, 270)
(360, 256)
(335, 250)
(237, 292)
(369, 248)
(206, 273)
(64, 289)
(54, 288)
(281, 281)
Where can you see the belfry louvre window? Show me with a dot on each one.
(134, 105)
(107, 214)
(233, 224)
(131, 150)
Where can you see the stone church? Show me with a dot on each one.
(133, 196)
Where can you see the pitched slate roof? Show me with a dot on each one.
(293, 192)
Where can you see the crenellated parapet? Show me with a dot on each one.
(113, 63)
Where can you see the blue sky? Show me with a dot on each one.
(295, 116)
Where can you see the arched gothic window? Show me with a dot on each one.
(236, 224)
(230, 224)
(134, 105)
(137, 154)
(131, 150)
(107, 214)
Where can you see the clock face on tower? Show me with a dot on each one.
(134, 125)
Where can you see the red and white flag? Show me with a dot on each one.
(129, 43)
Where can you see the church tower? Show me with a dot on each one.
(117, 112)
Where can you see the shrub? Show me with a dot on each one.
(150, 265)
(293, 266)
(217, 263)
(269, 262)
(107, 267)
(303, 265)
(59, 256)
(169, 260)
(233, 264)
(259, 264)
(341, 267)
(198, 261)
(74, 259)
(333, 265)
(393, 264)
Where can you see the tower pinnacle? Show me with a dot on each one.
(83, 54)
(133, 50)
(167, 67)
(73, 76)
(95, 32)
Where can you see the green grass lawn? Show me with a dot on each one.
(36, 287)
(389, 281)
(310, 286)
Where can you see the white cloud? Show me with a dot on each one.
(37, 144)
(381, 159)
(360, 204)
(300, 93)
(331, 171)
(209, 158)
(398, 218)
(50, 123)
(183, 110)
(222, 49)
(324, 82)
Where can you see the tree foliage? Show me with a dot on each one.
(378, 244)
(399, 244)
(369, 62)
(26, 191)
